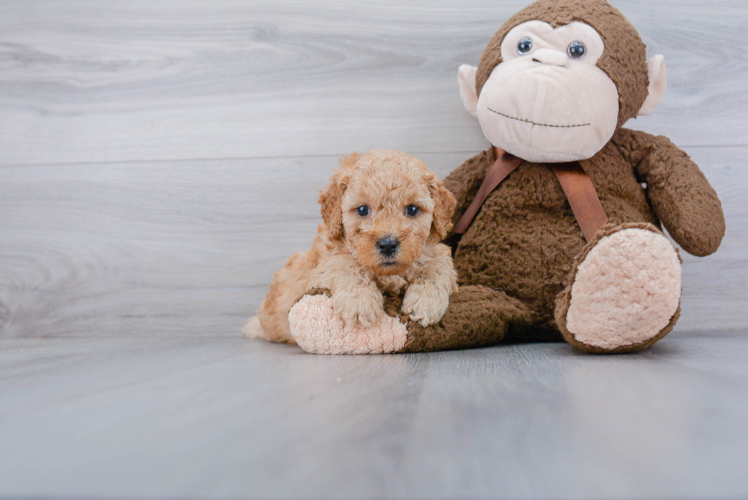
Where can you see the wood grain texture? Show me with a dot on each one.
(160, 159)
(188, 248)
(86, 81)
(235, 418)
(169, 248)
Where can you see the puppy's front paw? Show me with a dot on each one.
(425, 303)
(362, 306)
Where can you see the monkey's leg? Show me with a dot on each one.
(476, 316)
(624, 293)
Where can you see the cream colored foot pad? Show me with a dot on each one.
(626, 290)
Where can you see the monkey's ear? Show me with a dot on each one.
(466, 77)
(331, 199)
(657, 84)
(444, 207)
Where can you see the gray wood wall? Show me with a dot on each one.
(160, 159)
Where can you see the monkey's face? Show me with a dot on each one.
(548, 101)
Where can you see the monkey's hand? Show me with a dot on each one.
(681, 196)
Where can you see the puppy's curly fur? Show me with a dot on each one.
(346, 259)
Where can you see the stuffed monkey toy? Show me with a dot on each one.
(558, 226)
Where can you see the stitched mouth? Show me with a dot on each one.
(538, 124)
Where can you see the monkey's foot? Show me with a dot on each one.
(316, 329)
(625, 294)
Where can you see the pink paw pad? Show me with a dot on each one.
(626, 290)
(316, 329)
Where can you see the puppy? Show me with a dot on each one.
(384, 214)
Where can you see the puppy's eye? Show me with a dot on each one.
(363, 210)
(412, 211)
(524, 46)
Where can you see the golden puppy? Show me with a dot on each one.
(384, 214)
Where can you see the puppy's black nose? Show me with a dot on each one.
(388, 245)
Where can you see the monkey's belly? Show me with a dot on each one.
(528, 256)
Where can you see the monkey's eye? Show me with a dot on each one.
(577, 50)
(362, 211)
(524, 46)
(412, 211)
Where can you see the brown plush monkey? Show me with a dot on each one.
(560, 235)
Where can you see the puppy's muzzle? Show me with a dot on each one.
(388, 245)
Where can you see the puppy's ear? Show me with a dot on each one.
(331, 198)
(444, 207)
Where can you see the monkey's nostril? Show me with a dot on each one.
(388, 245)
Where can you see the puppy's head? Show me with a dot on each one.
(386, 206)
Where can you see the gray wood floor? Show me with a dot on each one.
(160, 159)
(234, 418)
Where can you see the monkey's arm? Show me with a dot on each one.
(681, 196)
(465, 180)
